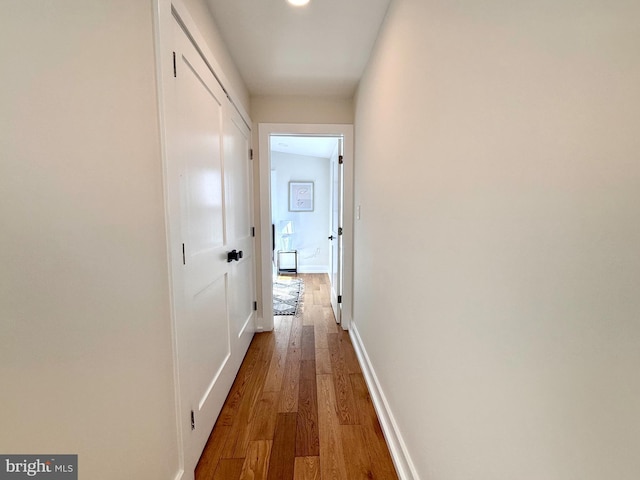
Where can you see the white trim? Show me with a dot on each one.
(398, 449)
(265, 130)
(164, 67)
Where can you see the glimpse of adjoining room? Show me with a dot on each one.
(301, 207)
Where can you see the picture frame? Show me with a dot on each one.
(301, 196)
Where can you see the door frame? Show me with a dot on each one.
(265, 131)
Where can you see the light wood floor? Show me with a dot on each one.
(299, 408)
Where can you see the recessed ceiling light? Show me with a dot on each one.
(298, 3)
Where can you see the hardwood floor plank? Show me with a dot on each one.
(348, 354)
(314, 281)
(273, 382)
(307, 436)
(318, 315)
(325, 292)
(323, 361)
(309, 309)
(346, 407)
(212, 452)
(308, 343)
(334, 352)
(307, 468)
(229, 469)
(239, 435)
(227, 431)
(330, 320)
(283, 330)
(364, 404)
(291, 382)
(318, 297)
(246, 371)
(314, 316)
(284, 448)
(381, 462)
(307, 305)
(275, 376)
(295, 337)
(321, 336)
(355, 450)
(264, 421)
(332, 465)
(308, 370)
(256, 464)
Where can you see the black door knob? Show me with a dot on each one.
(234, 255)
(331, 237)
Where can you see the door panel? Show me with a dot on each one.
(210, 328)
(243, 296)
(203, 216)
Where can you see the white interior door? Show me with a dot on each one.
(238, 175)
(211, 200)
(335, 236)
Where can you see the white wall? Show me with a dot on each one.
(311, 228)
(301, 109)
(497, 151)
(85, 332)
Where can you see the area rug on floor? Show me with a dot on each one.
(287, 293)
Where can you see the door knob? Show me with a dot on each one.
(234, 255)
(331, 237)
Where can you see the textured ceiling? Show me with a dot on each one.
(319, 49)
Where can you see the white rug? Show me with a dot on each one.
(287, 294)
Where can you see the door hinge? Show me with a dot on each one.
(174, 64)
(184, 257)
(339, 230)
(253, 231)
(255, 306)
(251, 154)
(339, 298)
(340, 159)
(193, 420)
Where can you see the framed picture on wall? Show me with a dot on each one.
(301, 196)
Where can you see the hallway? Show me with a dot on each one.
(299, 407)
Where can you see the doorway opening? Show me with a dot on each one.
(306, 216)
(306, 208)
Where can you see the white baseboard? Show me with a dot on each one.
(397, 448)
